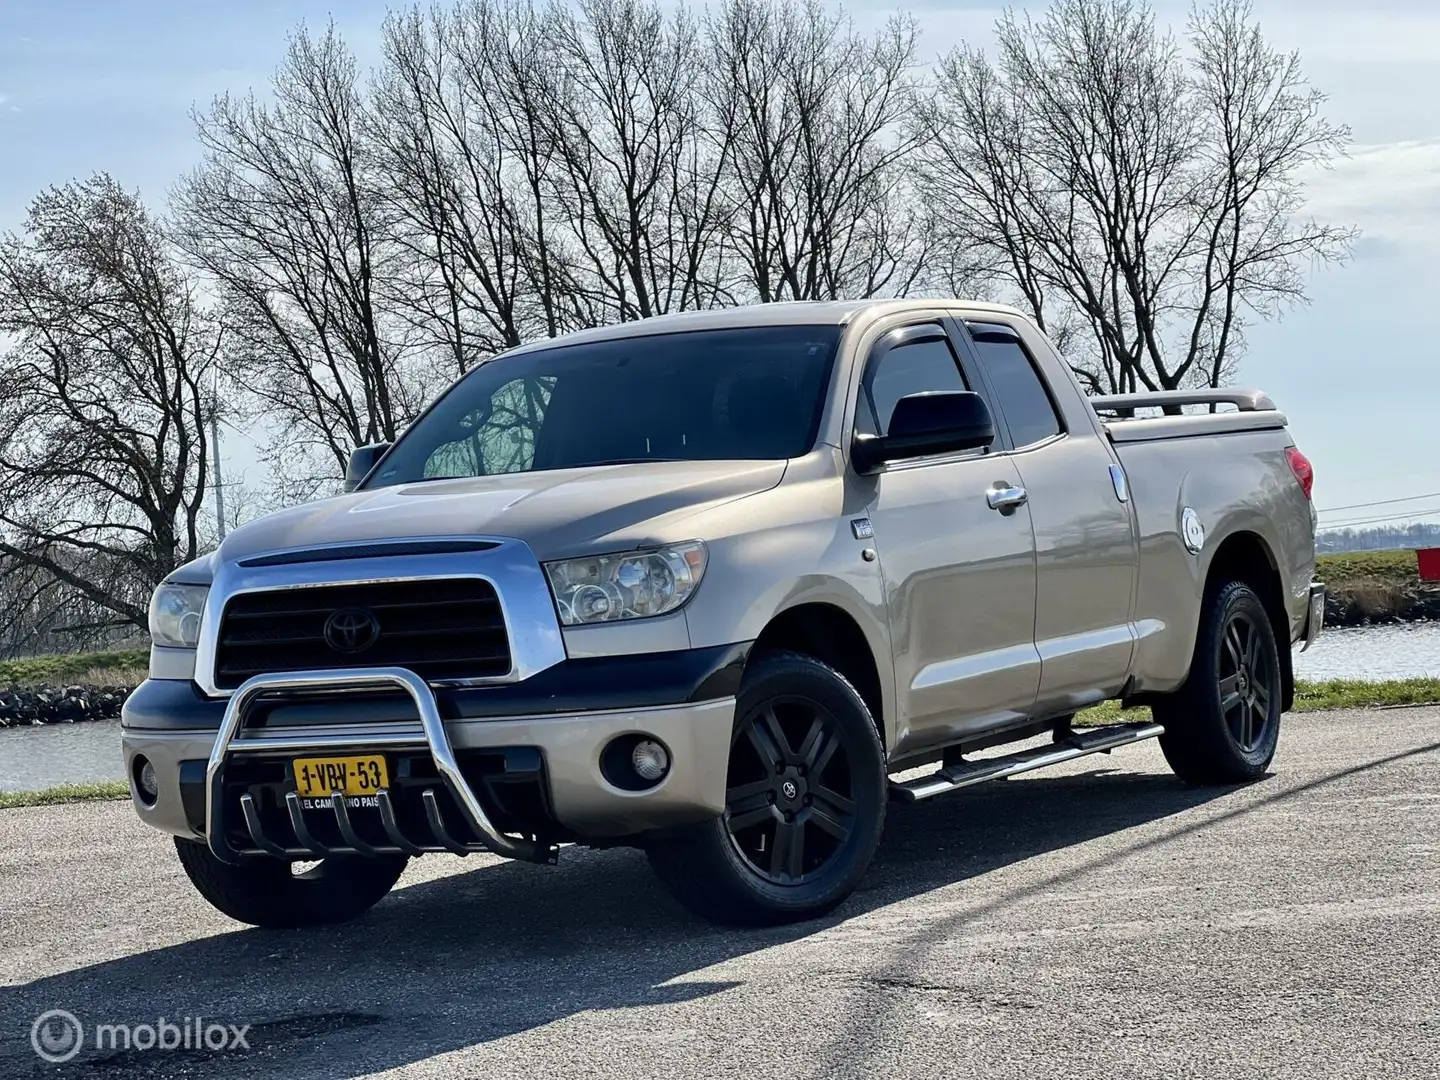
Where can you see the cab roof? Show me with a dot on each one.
(788, 313)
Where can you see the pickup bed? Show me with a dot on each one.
(705, 585)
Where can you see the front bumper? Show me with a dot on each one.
(229, 786)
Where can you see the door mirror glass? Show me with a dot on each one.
(362, 460)
(939, 422)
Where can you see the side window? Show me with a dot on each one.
(1028, 409)
(914, 368)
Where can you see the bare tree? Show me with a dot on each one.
(548, 169)
(283, 216)
(1113, 188)
(1262, 126)
(809, 113)
(637, 173)
(463, 156)
(520, 85)
(40, 614)
(103, 463)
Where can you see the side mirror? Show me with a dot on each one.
(941, 422)
(362, 460)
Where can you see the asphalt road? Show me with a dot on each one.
(1100, 921)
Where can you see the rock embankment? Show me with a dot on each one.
(1366, 603)
(60, 704)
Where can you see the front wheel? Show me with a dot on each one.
(805, 802)
(280, 895)
(1223, 724)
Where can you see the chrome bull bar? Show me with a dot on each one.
(430, 735)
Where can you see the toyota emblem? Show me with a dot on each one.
(351, 630)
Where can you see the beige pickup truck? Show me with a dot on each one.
(721, 586)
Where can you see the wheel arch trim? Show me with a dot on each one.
(810, 603)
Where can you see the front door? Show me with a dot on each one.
(959, 575)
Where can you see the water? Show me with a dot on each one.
(1397, 651)
(36, 758)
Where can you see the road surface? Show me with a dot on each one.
(1096, 921)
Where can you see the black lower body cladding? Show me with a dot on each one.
(645, 680)
(511, 782)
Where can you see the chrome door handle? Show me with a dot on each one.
(1006, 499)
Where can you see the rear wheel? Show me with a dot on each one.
(805, 802)
(278, 895)
(1223, 724)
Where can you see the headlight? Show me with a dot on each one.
(631, 585)
(175, 615)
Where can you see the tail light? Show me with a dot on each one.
(1303, 470)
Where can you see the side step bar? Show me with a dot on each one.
(1076, 744)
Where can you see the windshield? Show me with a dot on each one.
(751, 392)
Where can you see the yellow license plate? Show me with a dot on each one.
(317, 777)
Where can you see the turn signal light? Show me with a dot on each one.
(1303, 470)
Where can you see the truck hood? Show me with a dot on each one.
(557, 513)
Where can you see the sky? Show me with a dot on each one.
(90, 85)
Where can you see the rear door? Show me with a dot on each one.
(959, 575)
(1085, 543)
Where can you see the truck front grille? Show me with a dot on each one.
(450, 628)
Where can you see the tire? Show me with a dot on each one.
(806, 766)
(265, 892)
(1222, 725)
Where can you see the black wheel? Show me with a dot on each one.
(805, 802)
(1223, 724)
(281, 895)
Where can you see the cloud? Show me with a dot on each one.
(1375, 247)
(1394, 33)
(1391, 191)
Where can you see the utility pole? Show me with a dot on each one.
(215, 453)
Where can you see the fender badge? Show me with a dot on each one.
(1191, 531)
(862, 528)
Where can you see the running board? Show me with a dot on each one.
(1073, 745)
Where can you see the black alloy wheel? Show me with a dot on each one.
(805, 796)
(1248, 680)
(1222, 724)
(789, 808)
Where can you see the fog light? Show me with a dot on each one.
(650, 760)
(146, 782)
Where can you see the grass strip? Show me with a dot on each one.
(65, 793)
(119, 664)
(1347, 569)
(1309, 697)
